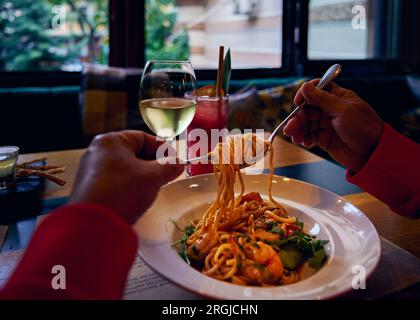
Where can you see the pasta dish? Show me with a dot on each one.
(247, 240)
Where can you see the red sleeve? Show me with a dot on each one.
(94, 245)
(392, 174)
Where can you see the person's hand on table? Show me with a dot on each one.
(113, 173)
(338, 121)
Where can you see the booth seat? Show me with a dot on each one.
(62, 114)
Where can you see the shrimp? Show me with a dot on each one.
(230, 218)
(252, 196)
(261, 234)
(204, 243)
(265, 267)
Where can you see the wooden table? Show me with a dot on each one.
(401, 231)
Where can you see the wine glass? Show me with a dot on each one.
(167, 97)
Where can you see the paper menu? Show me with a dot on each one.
(142, 282)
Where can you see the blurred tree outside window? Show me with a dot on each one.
(163, 40)
(52, 34)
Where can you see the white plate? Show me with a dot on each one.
(354, 241)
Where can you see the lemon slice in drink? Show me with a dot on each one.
(208, 91)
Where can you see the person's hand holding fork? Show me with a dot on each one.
(338, 121)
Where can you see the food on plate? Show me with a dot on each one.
(248, 240)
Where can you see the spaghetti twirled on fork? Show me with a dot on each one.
(243, 239)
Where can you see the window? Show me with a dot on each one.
(264, 35)
(194, 29)
(52, 34)
(348, 29)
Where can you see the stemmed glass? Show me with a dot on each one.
(167, 97)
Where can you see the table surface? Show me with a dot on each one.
(295, 162)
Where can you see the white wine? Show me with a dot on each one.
(8, 158)
(167, 117)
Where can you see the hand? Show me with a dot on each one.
(113, 173)
(338, 121)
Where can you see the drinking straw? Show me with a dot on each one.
(220, 72)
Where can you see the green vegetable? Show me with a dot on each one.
(291, 256)
(271, 224)
(277, 230)
(300, 247)
(182, 242)
(189, 230)
(279, 243)
(318, 244)
(318, 258)
(195, 250)
(299, 224)
(184, 254)
(301, 241)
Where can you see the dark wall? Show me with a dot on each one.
(41, 119)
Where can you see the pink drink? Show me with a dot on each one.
(211, 113)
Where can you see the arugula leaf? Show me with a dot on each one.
(299, 224)
(277, 230)
(318, 258)
(301, 241)
(318, 244)
(189, 230)
(271, 224)
(323, 242)
(183, 253)
(186, 233)
(195, 250)
(291, 256)
(175, 224)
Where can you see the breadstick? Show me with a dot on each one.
(28, 172)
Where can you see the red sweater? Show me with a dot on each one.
(392, 174)
(97, 248)
(92, 243)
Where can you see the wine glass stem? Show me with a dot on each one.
(169, 141)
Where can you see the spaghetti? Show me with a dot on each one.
(245, 239)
